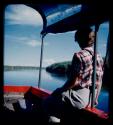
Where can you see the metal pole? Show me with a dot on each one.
(94, 68)
(41, 57)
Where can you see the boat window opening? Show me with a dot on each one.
(22, 27)
(102, 49)
(104, 29)
(102, 38)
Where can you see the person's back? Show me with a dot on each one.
(75, 92)
(86, 56)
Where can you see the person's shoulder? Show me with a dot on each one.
(79, 52)
(77, 56)
(82, 53)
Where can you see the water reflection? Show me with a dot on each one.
(48, 81)
(58, 76)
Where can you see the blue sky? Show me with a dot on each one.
(22, 39)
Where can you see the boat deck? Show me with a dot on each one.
(28, 101)
(10, 99)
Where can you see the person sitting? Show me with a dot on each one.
(75, 92)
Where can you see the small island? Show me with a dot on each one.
(61, 68)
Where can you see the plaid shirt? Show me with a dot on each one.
(82, 65)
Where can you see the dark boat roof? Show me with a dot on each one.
(58, 18)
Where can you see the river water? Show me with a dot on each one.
(48, 81)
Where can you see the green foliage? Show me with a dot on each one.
(59, 68)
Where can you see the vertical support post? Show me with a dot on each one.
(41, 58)
(94, 68)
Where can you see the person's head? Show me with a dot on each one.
(85, 37)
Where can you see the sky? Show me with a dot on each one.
(22, 41)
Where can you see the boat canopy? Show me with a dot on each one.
(59, 18)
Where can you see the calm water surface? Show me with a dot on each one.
(48, 81)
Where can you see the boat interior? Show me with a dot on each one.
(23, 103)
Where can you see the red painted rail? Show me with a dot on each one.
(97, 112)
(9, 89)
(43, 93)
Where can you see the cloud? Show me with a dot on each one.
(49, 61)
(32, 42)
(73, 32)
(15, 38)
(105, 25)
(104, 45)
(52, 34)
(22, 15)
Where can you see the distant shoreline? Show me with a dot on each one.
(11, 68)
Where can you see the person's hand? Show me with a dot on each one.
(96, 102)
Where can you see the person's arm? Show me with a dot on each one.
(98, 93)
(68, 85)
(100, 85)
(74, 73)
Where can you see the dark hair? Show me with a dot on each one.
(82, 36)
